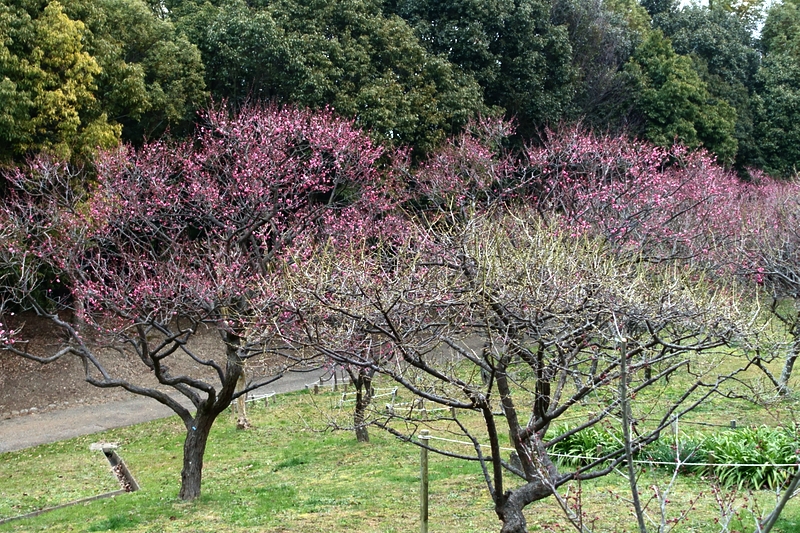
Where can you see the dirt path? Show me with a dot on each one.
(52, 402)
(52, 425)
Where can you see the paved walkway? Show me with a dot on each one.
(53, 426)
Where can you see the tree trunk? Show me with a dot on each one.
(510, 505)
(197, 431)
(363, 397)
(194, 448)
(786, 373)
(513, 520)
(241, 404)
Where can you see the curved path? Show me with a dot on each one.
(53, 426)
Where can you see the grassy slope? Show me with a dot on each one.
(289, 475)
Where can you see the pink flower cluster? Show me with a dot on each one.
(200, 228)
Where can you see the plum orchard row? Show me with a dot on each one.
(586, 274)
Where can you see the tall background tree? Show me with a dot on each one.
(722, 47)
(676, 103)
(347, 54)
(602, 36)
(521, 60)
(152, 77)
(778, 124)
(76, 76)
(48, 83)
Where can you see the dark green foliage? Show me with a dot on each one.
(758, 446)
(244, 52)
(778, 126)
(412, 71)
(723, 53)
(656, 7)
(780, 28)
(345, 54)
(665, 453)
(718, 38)
(75, 74)
(521, 60)
(676, 102)
(746, 446)
(48, 84)
(152, 76)
(581, 448)
(778, 122)
(602, 40)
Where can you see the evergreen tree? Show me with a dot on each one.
(723, 52)
(778, 123)
(47, 84)
(520, 58)
(345, 54)
(675, 101)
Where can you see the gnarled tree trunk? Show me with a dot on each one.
(362, 380)
(194, 449)
(199, 427)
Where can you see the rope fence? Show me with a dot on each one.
(392, 393)
(419, 407)
(588, 458)
(256, 397)
(732, 424)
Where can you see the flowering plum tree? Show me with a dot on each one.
(571, 277)
(174, 239)
(767, 254)
(644, 200)
(510, 320)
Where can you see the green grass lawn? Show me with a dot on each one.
(290, 473)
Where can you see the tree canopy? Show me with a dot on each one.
(78, 75)
(346, 54)
(517, 55)
(152, 77)
(48, 84)
(676, 102)
(723, 52)
(412, 72)
(526, 286)
(778, 123)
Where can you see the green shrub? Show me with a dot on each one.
(579, 448)
(761, 447)
(665, 454)
(758, 446)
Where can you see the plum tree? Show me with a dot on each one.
(174, 238)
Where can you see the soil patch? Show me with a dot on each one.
(28, 387)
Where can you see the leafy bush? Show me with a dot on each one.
(579, 449)
(666, 454)
(758, 446)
